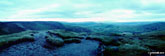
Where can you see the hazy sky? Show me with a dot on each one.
(82, 10)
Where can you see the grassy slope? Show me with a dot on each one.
(136, 28)
(96, 28)
(7, 40)
(128, 45)
(59, 37)
(7, 27)
(66, 34)
(152, 35)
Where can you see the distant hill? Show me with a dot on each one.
(103, 28)
(153, 26)
(7, 28)
(140, 27)
(116, 27)
(14, 27)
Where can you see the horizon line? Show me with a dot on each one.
(79, 20)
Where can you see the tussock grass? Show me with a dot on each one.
(107, 40)
(54, 41)
(10, 39)
(154, 34)
(125, 50)
(65, 34)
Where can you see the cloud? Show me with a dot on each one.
(27, 13)
(83, 10)
(60, 19)
(5, 2)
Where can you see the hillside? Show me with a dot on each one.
(14, 27)
(85, 38)
(98, 28)
(118, 27)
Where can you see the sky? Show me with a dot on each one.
(82, 10)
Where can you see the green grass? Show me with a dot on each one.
(16, 38)
(155, 44)
(125, 50)
(66, 34)
(107, 40)
(63, 37)
(54, 41)
(128, 45)
(135, 47)
(154, 34)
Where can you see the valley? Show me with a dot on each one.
(81, 39)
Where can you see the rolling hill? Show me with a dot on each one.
(14, 27)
